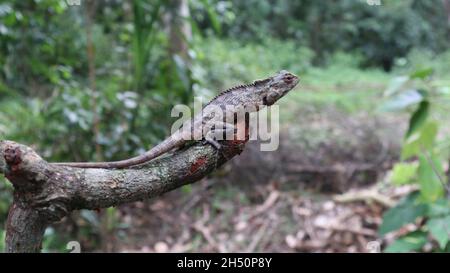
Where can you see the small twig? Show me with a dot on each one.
(312, 245)
(258, 236)
(197, 196)
(362, 231)
(270, 201)
(206, 233)
(364, 195)
(434, 168)
(404, 190)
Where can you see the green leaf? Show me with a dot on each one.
(212, 16)
(402, 100)
(430, 173)
(111, 218)
(396, 85)
(422, 73)
(418, 118)
(2, 239)
(413, 241)
(404, 173)
(421, 139)
(439, 208)
(406, 211)
(91, 217)
(187, 189)
(440, 230)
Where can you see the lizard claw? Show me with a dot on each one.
(213, 142)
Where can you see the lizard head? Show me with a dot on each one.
(278, 86)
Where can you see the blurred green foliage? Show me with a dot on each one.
(46, 98)
(222, 63)
(44, 90)
(380, 33)
(424, 153)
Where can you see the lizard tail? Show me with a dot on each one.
(156, 151)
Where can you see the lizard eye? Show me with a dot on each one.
(288, 78)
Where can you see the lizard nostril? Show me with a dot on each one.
(289, 78)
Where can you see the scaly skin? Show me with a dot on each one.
(243, 98)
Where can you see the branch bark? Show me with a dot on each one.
(45, 193)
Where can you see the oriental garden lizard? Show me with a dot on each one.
(243, 98)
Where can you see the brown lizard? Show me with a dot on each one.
(246, 98)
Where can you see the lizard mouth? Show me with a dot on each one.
(266, 102)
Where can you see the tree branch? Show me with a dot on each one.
(45, 193)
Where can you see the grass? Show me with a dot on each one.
(347, 88)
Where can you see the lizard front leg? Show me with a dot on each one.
(217, 131)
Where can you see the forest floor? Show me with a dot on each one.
(281, 221)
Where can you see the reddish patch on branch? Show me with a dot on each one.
(236, 142)
(13, 157)
(197, 164)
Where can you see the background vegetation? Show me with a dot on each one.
(97, 81)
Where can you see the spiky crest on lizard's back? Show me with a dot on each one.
(237, 87)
